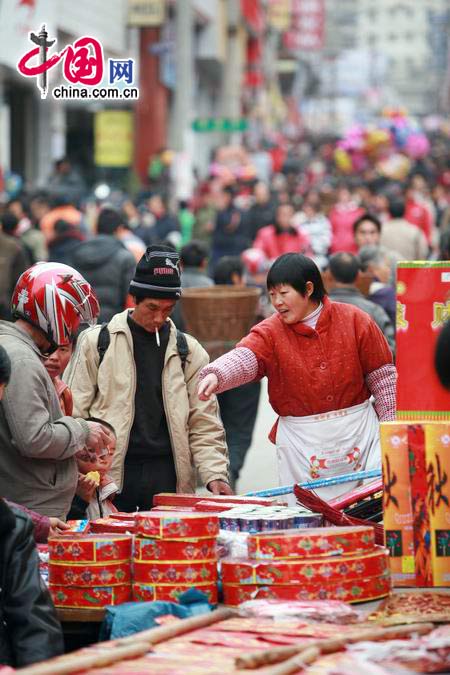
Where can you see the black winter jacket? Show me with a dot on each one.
(109, 267)
(29, 629)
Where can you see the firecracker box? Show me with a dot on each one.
(171, 592)
(346, 590)
(175, 572)
(423, 306)
(179, 499)
(416, 502)
(89, 598)
(90, 548)
(159, 549)
(104, 525)
(310, 570)
(323, 541)
(176, 525)
(83, 574)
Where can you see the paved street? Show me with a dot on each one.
(259, 470)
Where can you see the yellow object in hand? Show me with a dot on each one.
(95, 476)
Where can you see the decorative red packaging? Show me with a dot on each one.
(115, 526)
(320, 541)
(176, 526)
(171, 592)
(87, 548)
(170, 572)
(422, 309)
(110, 574)
(158, 549)
(326, 570)
(89, 598)
(177, 499)
(355, 590)
(123, 515)
(208, 506)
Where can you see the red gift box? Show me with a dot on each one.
(159, 549)
(177, 499)
(236, 571)
(110, 525)
(323, 541)
(89, 548)
(423, 306)
(353, 590)
(171, 592)
(170, 572)
(112, 574)
(89, 598)
(176, 526)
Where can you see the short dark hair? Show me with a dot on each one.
(194, 253)
(103, 422)
(367, 216)
(296, 270)
(442, 356)
(226, 267)
(397, 207)
(9, 223)
(109, 220)
(5, 366)
(344, 267)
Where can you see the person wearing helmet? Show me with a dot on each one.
(37, 442)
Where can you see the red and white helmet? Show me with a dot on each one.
(55, 298)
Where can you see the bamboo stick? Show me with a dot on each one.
(278, 654)
(296, 663)
(138, 644)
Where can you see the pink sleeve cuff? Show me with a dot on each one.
(382, 384)
(239, 366)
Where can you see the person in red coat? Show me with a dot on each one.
(323, 361)
(283, 236)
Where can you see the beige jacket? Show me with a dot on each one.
(195, 428)
(405, 238)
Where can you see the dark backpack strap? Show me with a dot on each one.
(182, 346)
(103, 342)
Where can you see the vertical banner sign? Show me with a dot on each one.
(423, 306)
(306, 32)
(113, 138)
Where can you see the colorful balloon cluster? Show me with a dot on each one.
(371, 145)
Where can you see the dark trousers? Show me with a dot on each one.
(238, 409)
(144, 479)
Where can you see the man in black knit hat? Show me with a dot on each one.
(136, 380)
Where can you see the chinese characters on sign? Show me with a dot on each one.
(306, 32)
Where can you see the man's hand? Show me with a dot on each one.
(57, 526)
(207, 387)
(219, 487)
(85, 488)
(99, 437)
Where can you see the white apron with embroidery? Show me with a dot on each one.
(327, 445)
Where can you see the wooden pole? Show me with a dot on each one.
(278, 654)
(138, 644)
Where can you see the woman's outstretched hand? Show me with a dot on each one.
(207, 387)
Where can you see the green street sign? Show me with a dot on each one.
(209, 124)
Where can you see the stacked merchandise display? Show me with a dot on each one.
(416, 448)
(174, 552)
(327, 563)
(89, 570)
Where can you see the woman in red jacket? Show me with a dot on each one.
(283, 236)
(323, 361)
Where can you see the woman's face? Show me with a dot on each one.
(290, 304)
(285, 213)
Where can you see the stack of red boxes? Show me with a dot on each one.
(314, 564)
(174, 552)
(90, 570)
